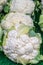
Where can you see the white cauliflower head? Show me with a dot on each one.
(24, 6)
(2, 2)
(20, 47)
(15, 20)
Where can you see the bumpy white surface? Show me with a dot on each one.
(16, 19)
(2, 2)
(24, 6)
(22, 47)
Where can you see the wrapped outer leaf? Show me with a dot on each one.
(41, 17)
(42, 5)
(41, 22)
(1, 33)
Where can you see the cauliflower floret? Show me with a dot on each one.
(24, 6)
(16, 19)
(2, 2)
(21, 48)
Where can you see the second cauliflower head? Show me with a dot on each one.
(24, 6)
(15, 20)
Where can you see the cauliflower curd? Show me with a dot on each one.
(23, 48)
(24, 6)
(2, 2)
(15, 20)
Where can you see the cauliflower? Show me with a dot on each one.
(20, 47)
(24, 6)
(20, 44)
(15, 20)
(2, 2)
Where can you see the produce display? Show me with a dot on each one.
(21, 32)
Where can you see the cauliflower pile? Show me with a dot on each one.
(24, 6)
(21, 43)
(2, 2)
